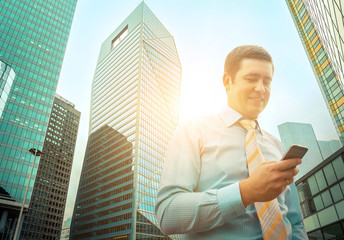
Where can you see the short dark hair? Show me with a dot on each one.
(234, 58)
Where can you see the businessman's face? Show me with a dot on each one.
(249, 92)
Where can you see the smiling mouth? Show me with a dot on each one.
(257, 99)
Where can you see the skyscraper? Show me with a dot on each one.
(45, 216)
(134, 111)
(66, 229)
(327, 148)
(321, 29)
(321, 195)
(33, 38)
(328, 20)
(303, 134)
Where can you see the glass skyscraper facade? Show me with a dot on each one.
(327, 148)
(66, 229)
(321, 29)
(321, 195)
(33, 38)
(45, 215)
(303, 134)
(134, 111)
(328, 19)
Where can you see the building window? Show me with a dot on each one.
(333, 231)
(339, 167)
(336, 192)
(318, 203)
(326, 198)
(319, 176)
(329, 173)
(317, 235)
(120, 37)
(313, 185)
(340, 210)
(327, 216)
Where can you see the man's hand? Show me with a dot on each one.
(268, 181)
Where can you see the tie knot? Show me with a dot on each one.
(248, 124)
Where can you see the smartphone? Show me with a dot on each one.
(295, 151)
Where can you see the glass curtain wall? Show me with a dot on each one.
(135, 95)
(33, 38)
(321, 195)
(327, 64)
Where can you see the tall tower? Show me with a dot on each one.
(45, 216)
(134, 111)
(303, 134)
(321, 29)
(33, 38)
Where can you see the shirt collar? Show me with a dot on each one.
(230, 117)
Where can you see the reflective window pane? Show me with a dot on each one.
(342, 186)
(336, 193)
(319, 176)
(338, 167)
(329, 173)
(340, 209)
(317, 235)
(311, 223)
(318, 203)
(326, 197)
(313, 185)
(333, 231)
(327, 216)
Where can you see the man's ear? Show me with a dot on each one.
(226, 81)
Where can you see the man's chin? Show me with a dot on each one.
(253, 114)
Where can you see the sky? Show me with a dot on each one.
(205, 31)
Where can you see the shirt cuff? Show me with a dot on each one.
(230, 203)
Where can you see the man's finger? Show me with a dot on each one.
(289, 173)
(288, 163)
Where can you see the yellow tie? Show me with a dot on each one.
(269, 213)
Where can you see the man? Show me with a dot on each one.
(206, 189)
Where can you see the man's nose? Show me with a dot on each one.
(260, 86)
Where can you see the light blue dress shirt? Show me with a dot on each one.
(199, 193)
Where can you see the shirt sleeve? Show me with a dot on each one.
(294, 214)
(179, 208)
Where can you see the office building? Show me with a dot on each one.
(45, 215)
(303, 134)
(6, 79)
(321, 195)
(327, 148)
(321, 29)
(134, 111)
(33, 40)
(66, 229)
(328, 20)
